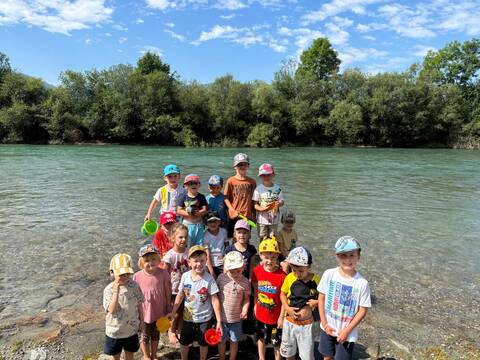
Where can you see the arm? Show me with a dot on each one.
(251, 266)
(112, 307)
(152, 207)
(231, 208)
(141, 327)
(343, 335)
(245, 306)
(287, 308)
(281, 318)
(323, 318)
(203, 210)
(217, 309)
(210, 264)
(257, 207)
(176, 305)
(182, 212)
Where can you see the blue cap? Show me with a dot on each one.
(171, 169)
(346, 244)
(215, 180)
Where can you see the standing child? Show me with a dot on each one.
(287, 237)
(215, 242)
(155, 285)
(176, 263)
(161, 242)
(344, 297)
(242, 245)
(168, 194)
(122, 300)
(268, 197)
(300, 301)
(234, 293)
(267, 282)
(216, 200)
(198, 291)
(192, 206)
(238, 192)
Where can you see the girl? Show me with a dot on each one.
(155, 285)
(241, 244)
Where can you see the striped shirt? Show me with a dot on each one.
(232, 293)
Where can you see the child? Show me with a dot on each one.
(216, 200)
(160, 240)
(192, 206)
(198, 291)
(241, 244)
(157, 291)
(176, 263)
(287, 237)
(299, 299)
(268, 198)
(168, 194)
(344, 297)
(267, 280)
(215, 242)
(122, 300)
(238, 192)
(234, 294)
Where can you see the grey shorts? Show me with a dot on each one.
(266, 230)
(297, 338)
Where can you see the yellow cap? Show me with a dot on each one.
(269, 245)
(121, 264)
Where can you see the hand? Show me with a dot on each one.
(342, 336)
(170, 316)
(292, 312)
(119, 281)
(312, 303)
(235, 213)
(280, 322)
(219, 327)
(189, 210)
(244, 314)
(147, 217)
(330, 331)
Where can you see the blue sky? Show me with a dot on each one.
(204, 39)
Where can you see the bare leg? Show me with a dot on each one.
(184, 351)
(129, 355)
(116, 357)
(276, 351)
(233, 350)
(203, 352)
(145, 346)
(261, 349)
(153, 349)
(222, 347)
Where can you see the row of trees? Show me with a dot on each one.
(436, 103)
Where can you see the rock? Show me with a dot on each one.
(32, 320)
(73, 316)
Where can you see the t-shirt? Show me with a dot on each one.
(232, 292)
(178, 265)
(265, 196)
(196, 203)
(268, 285)
(198, 297)
(168, 198)
(286, 241)
(240, 193)
(124, 323)
(216, 245)
(343, 297)
(156, 290)
(217, 203)
(161, 242)
(299, 292)
(247, 255)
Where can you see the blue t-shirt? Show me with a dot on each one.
(217, 203)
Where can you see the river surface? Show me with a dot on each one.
(65, 210)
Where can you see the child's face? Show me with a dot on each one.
(288, 225)
(214, 189)
(122, 279)
(167, 226)
(213, 225)
(242, 168)
(192, 187)
(198, 262)
(348, 261)
(269, 258)
(267, 180)
(180, 238)
(241, 235)
(235, 273)
(150, 263)
(172, 179)
(301, 272)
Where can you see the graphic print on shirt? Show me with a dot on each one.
(269, 197)
(203, 295)
(262, 299)
(241, 191)
(341, 301)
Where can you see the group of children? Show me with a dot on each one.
(201, 272)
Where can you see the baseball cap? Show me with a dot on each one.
(213, 215)
(269, 245)
(121, 264)
(147, 249)
(168, 217)
(288, 215)
(215, 180)
(265, 169)
(346, 244)
(196, 248)
(171, 169)
(242, 224)
(191, 178)
(233, 260)
(240, 158)
(299, 256)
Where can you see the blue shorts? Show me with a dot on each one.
(114, 346)
(232, 331)
(331, 348)
(196, 233)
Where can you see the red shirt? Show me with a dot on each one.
(268, 287)
(161, 242)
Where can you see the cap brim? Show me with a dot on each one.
(213, 218)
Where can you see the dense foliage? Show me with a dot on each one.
(436, 103)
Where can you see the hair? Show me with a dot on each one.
(288, 215)
(141, 260)
(175, 227)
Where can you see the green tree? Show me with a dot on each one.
(320, 60)
(345, 123)
(4, 66)
(263, 135)
(151, 62)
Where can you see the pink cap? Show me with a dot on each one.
(242, 224)
(191, 178)
(265, 169)
(168, 217)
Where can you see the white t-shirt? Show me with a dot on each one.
(265, 196)
(168, 198)
(343, 297)
(216, 245)
(178, 265)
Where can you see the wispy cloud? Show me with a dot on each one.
(119, 27)
(336, 7)
(152, 49)
(406, 21)
(422, 50)
(175, 35)
(139, 21)
(227, 17)
(230, 4)
(122, 40)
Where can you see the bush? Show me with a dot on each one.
(263, 135)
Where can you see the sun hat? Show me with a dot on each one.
(147, 249)
(346, 244)
(213, 216)
(168, 217)
(233, 260)
(269, 245)
(215, 180)
(242, 224)
(171, 169)
(121, 264)
(299, 256)
(240, 158)
(196, 248)
(265, 169)
(288, 215)
(191, 178)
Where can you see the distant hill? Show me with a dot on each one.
(47, 85)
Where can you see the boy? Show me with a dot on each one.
(192, 206)
(198, 291)
(344, 297)
(238, 192)
(215, 241)
(267, 280)
(168, 194)
(299, 299)
(216, 200)
(268, 198)
(287, 238)
(122, 300)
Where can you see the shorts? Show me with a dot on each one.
(331, 348)
(268, 333)
(266, 230)
(297, 338)
(196, 232)
(231, 226)
(232, 331)
(114, 346)
(194, 332)
(151, 333)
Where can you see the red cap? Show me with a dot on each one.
(168, 217)
(191, 177)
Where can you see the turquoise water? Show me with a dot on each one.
(65, 210)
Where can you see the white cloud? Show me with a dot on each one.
(152, 49)
(218, 31)
(363, 28)
(55, 16)
(336, 34)
(351, 55)
(139, 21)
(161, 4)
(336, 7)
(170, 25)
(88, 41)
(461, 16)
(108, 34)
(275, 46)
(227, 17)
(422, 50)
(408, 22)
(230, 4)
(175, 35)
(368, 37)
(122, 40)
(119, 27)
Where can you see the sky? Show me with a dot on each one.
(204, 39)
